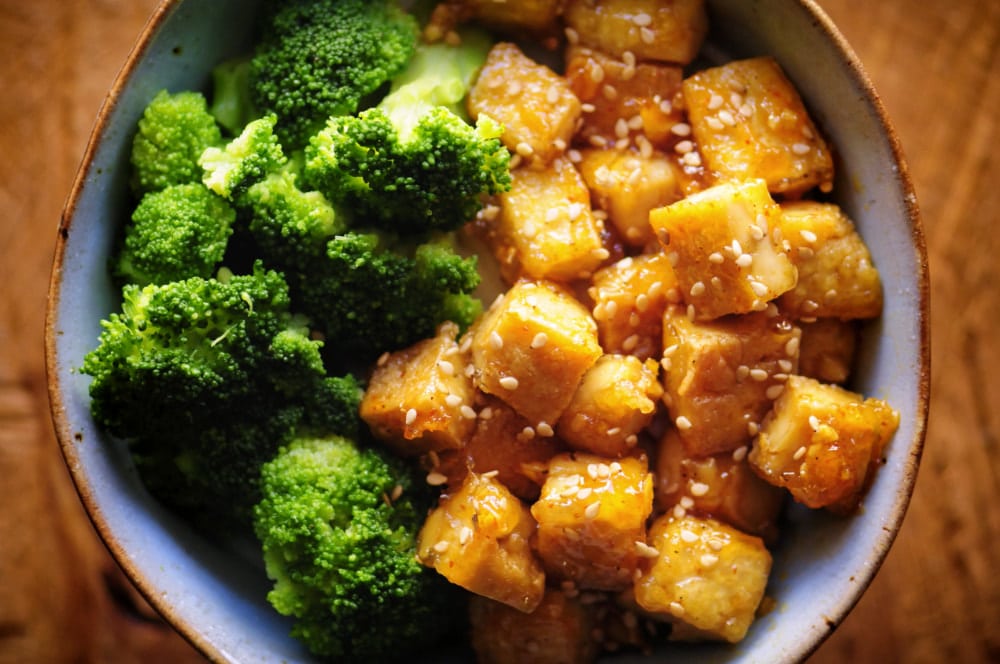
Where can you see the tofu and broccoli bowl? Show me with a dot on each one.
(523, 331)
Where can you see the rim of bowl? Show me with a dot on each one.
(189, 632)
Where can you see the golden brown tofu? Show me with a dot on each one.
(615, 401)
(419, 398)
(836, 276)
(659, 30)
(479, 537)
(532, 347)
(508, 444)
(720, 377)
(629, 298)
(704, 573)
(534, 104)
(823, 443)
(559, 631)
(546, 228)
(750, 122)
(512, 16)
(721, 486)
(624, 103)
(627, 185)
(828, 346)
(591, 514)
(722, 248)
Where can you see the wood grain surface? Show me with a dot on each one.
(936, 599)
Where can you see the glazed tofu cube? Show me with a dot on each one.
(507, 444)
(750, 122)
(615, 401)
(627, 185)
(559, 631)
(536, 16)
(624, 103)
(660, 30)
(418, 398)
(479, 538)
(546, 228)
(724, 254)
(823, 443)
(706, 574)
(721, 486)
(827, 352)
(721, 377)
(629, 298)
(836, 276)
(534, 104)
(532, 347)
(591, 513)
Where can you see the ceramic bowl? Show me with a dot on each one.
(216, 598)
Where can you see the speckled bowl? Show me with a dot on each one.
(216, 598)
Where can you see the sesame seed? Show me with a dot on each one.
(746, 110)
(699, 489)
(683, 423)
(611, 308)
(808, 235)
(740, 453)
(687, 502)
(691, 159)
(441, 546)
(630, 343)
(584, 493)
(632, 440)
(665, 106)
(691, 313)
(524, 149)
(642, 19)
(453, 400)
(382, 359)
(646, 551)
(528, 433)
(792, 347)
(774, 391)
(708, 559)
(397, 491)
(801, 148)
(592, 510)
(676, 608)
(596, 72)
(468, 412)
(600, 253)
(572, 36)
(679, 512)
(574, 156)
(759, 289)
(514, 88)
(714, 123)
(411, 416)
(742, 371)
(799, 453)
(670, 350)
(681, 129)
(758, 375)
(552, 94)
(470, 370)
(683, 147)
(744, 260)
(509, 383)
(727, 118)
(613, 431)
(447, 368)
(435, 478)
(688, 537)
(647, 35)
(587, 107)
(464, 535)
(592, 470)
(545, 430)
(698, 288)
(716, 257)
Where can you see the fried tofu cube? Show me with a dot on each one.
(721, 377)
(535, 16)
(629, 298)
(535, 105)
(507, 444)
(827, 352)
(706, 574)
(724, 254)
(720, 486)
(591, 513)
(559, 631)
(625, 101)
(479, 538)
(836, 276)
(615, 401)
(532, 347)
(545, 228)
(823, 443)
(659, 30)
(627, 185)
(416, 397)
(750, 122)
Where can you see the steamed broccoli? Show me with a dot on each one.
(231, 104)
(318, 58)
(413, 164)
(178, 232)
(338, 524)
(173, 132)
(247, 159)
(206, 379)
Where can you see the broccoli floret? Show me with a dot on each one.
(413, 164)
(291, 226)
(247, 159)
(178, 232)
(231, 105)
(173, 132)
(318, 58)
(367, 296)
(338, 525)
(206, 379)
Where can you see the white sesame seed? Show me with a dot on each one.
(698, 489)
(740, 453)
(592, 510)
(545, 430)
(759, 289)
(453, 400)
(688, 537)
(799, 453)
(808, 235)
(632, 440)
(468, 412)
(708, 559)
(679, 512)
(464, 535)
(600, 253)
(572, 36)
(742, 371)
(509, 383)
(382, 359)
(687, 502)
(584, 493)
(665, 106)
(647, 35)
(411, 416)
(587, 107)
(435, 478)
(683, 423)
(609, 91)
(736, 247)
(539, 340)
(758, 375)
(441, 546)
(715, 102)
(801, 148)
(611, 308)
(528, 433)
(645, 550)
(496, 341)
(792, 347)
(681, 129)
(691, 159)
(447, 368)
(552, 94)
(774, 391)
(714, 124)
(630, 343)
(744, 260)
(596, 72)
(716, 257)
(683, 147)
(746, 110)
(676, 608)
(727, 118)
(698, 288)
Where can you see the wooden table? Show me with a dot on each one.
(935, 63)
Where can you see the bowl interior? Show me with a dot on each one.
(216, 597)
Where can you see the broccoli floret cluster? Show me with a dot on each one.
(316, 59)
(338, 526)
